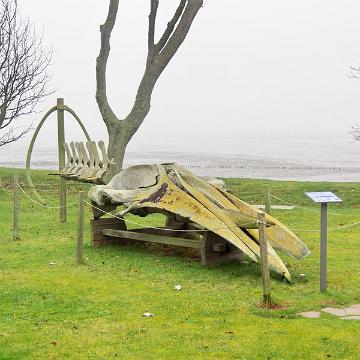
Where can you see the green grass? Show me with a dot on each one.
(95, 311)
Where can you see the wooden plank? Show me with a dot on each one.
(160, 239)
(264, 258)
(98, 225)
(162, 230)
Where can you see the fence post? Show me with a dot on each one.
(265, 274)
(323, 247)
(267, 200)
(16, 208)
(80, 229)
(61, 151)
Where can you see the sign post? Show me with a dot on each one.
(323, 198)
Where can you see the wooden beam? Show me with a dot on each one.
(264, 259)
(97, 226)
(160, 239)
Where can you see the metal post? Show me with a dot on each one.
(265, 273)
(61, 150)
(16, 208)
(80, 229)
(323, 247)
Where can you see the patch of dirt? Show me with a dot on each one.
(170, 250)
(273, 306)
(325, 303)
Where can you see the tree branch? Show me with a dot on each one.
(23, 69)
(179, 34)
(121, 130)
(171, 25)
(154, 69)
(11, 136)
(101, 63)
(151, 33)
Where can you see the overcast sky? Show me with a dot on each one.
(246, 67)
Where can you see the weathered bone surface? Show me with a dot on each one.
(171, 189)
(84, 164)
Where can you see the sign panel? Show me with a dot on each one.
(323, 197)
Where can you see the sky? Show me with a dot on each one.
(262, 67)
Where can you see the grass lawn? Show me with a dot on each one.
(94, 311)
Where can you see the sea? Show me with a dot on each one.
(302, 158)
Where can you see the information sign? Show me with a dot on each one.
(323, 197)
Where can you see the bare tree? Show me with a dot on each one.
(355, 132)
(354, 72)
(159, 55)
(23, 71)
(355, 129)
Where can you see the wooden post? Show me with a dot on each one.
(267, 201)
(16, 208)
(61, 150)
(80, 229)
(264, 258)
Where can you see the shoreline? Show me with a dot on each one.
(293, 158)
(260, 172)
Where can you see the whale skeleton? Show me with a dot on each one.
(84, 163)
(173, 190)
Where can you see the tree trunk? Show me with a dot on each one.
(159, 55)
(118, 140)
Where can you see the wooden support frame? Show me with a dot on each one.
(215, 250)
(154, 238)
(98, 225)
(265, 272)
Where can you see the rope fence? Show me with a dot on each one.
(301, 207)
(250, 196)
(42, 205)
(10, 188)
(329, 229)
(6, 188)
